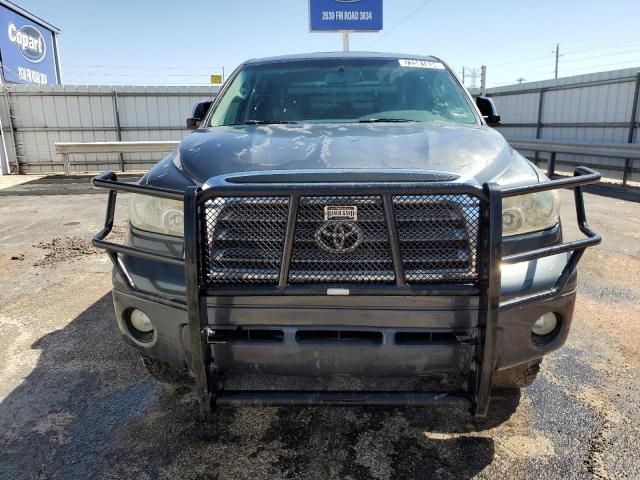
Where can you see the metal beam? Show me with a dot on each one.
(99, 129)
(65, 148)
(614, 150)
(571, 125)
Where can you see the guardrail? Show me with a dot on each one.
(68, 148)
(627, 151)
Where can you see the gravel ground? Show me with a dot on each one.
(75, 401)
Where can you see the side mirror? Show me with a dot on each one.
(199, 112)
(488, 110)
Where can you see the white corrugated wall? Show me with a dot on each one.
(68, 113)
(593, 108)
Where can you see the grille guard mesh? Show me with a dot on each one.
(243, 239)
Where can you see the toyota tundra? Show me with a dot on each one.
(345, 229)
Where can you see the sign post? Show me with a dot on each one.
(345, 16)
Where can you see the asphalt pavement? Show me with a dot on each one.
(76, 403)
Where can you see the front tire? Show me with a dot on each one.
(520, 376)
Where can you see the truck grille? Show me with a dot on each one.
(245, 238)
(314, 260)
(437, 234)
(438, 237)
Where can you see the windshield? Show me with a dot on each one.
(344, 90)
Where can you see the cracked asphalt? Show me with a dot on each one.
(75, 401)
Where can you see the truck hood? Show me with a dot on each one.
(476, 153)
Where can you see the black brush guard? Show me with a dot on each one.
(488, 287)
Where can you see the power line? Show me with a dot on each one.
(575, 71)
(544, 67)
(582, 59)
(501, 60)
(413, 12)
(527, 61)
(572, 60)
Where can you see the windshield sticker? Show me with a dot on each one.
(421, 64)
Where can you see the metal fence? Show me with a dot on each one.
(35, 118)
(598, 108)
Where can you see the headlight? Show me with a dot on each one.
(158, 215)
(530, 213)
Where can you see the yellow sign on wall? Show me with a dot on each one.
(216, 79)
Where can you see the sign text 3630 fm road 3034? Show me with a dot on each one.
(345, 15)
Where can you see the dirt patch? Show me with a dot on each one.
(119, 232)
(608, 294)
(596, 460)
(67, 248)
(62, 249)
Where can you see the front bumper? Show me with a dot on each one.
(383, 332)
(381, 356)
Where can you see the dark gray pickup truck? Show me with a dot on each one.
(345, 229)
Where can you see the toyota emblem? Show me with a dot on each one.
(339, 237)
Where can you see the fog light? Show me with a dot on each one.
(546, 324)
(140, 322)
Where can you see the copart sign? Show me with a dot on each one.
(27, 50)
(345, 15)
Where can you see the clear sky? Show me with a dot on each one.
(162, 42)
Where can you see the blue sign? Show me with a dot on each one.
(27, 50)
(341, 15)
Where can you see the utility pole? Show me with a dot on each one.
(520, 80)
(557, 58)
(463, 78)
(483, 80)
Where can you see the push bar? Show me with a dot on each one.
(110, 181)
(488, 288)
(376, 399)
(582, 176)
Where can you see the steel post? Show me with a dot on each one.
(345, 41)
(118, 127)
(490, 289)
(551, 167)
(539, 123)
(628, 163)
(12, 129)
(66, 164)
(201, 361)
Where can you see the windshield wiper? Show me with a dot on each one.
(264, 122)
(386, 120)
